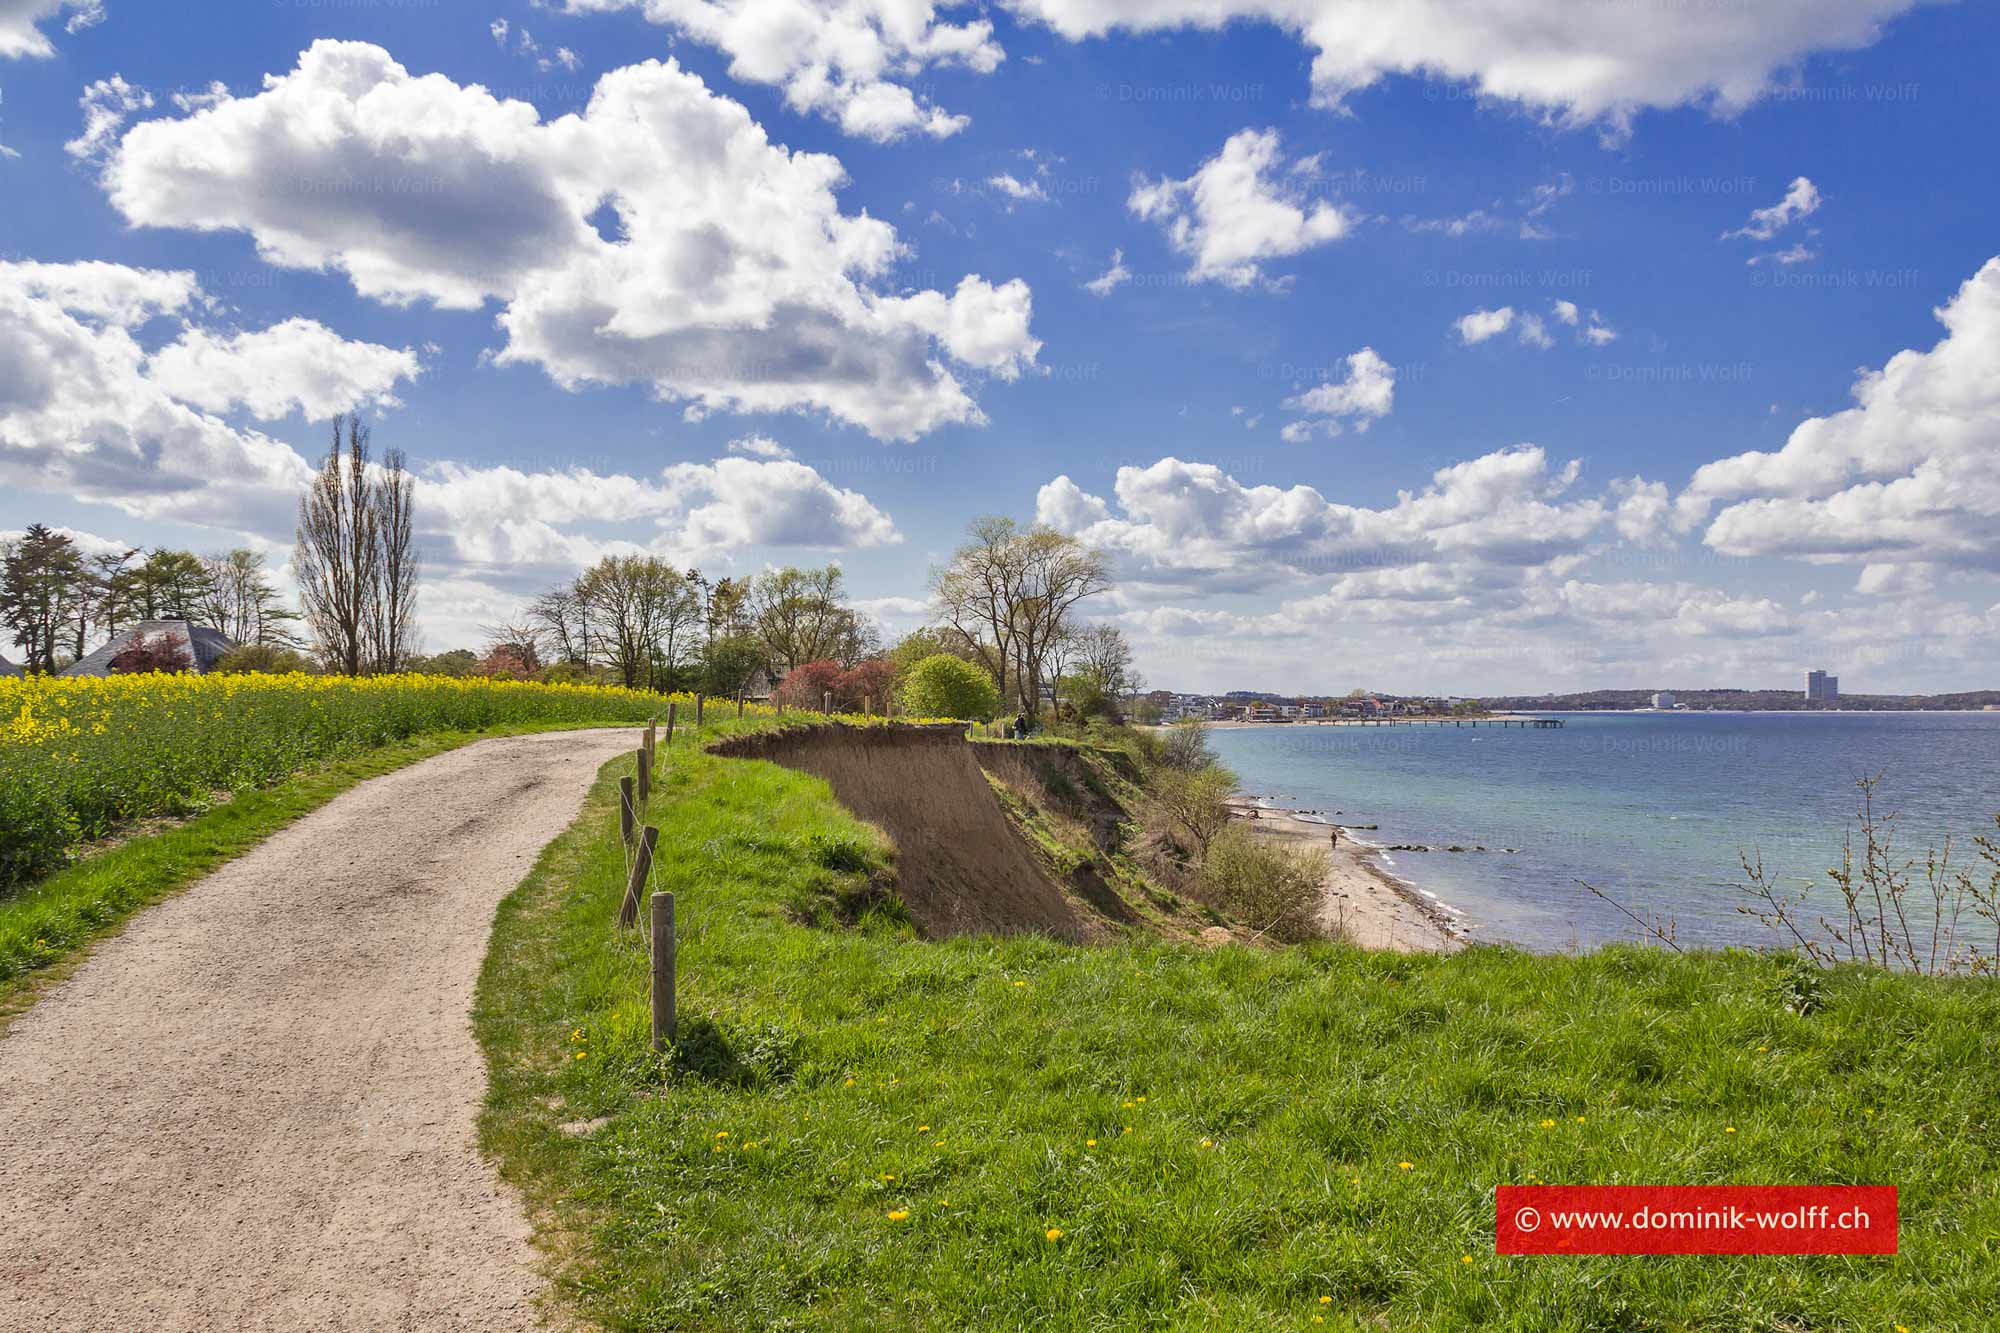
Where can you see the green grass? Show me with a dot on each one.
(829, 1077)
(47, 926)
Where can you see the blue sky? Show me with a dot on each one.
(1466, 365)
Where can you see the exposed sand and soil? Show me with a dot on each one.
(255, 1107)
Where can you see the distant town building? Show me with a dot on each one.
(1664, 699)
(1822, 688)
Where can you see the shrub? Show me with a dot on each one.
(945, 686)
(260, 659)
(807, 685)
(1185, 747)
(1191, 808)
(163, 652)
(866, 684)
(1272, 890)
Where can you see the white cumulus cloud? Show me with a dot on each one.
(734, 282)
(1240, 208)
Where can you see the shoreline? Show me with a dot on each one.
(1235, 724)
(1360, 897)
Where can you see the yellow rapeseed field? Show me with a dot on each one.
(80, 756)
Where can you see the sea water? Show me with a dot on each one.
(1655, 809)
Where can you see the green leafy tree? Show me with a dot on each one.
(945, 686)
(44, 588)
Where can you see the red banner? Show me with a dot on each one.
(1695, 1219)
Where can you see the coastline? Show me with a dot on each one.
(1425, 721)
(1361, 899)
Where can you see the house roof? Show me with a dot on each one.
(8, 668)
(206, 644)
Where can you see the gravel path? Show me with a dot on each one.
(254, 1108)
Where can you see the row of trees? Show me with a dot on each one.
(655, 626)
(55, 599)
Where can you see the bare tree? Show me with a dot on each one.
(391, 619)
(338, 561)
(241, 601)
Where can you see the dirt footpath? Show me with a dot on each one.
(254, 1109)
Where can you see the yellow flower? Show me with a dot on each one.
(1208, 1143)
(722, 1133)
(899, 1214)
(1729, 1129)
(1465, 1258)
(1548, 1124)
(1579, 1120)
(888, 1177)
(1055, 1233)
(579, 1055)
(1326, 1300)
(1090, 1143)
(923, 1129)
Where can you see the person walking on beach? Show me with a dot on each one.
(1333, 836)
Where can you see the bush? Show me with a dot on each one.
(945, 686)
(162, 652)
(1190, 808)
(260, 659)
(807, 685)
(1185, 747)
(1272, 890)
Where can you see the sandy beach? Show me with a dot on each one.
(1363, 901)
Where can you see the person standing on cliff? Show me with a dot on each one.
(1020, 726)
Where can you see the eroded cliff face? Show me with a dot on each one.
(961, 866)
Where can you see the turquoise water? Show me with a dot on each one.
(1654, 808)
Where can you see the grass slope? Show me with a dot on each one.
(47, 927)
(864, 1130)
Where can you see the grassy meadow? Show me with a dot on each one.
(860, 1129)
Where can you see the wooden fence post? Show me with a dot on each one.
(663, 970)
(635, 883)
(699, 700)
(672, 709)
(627, 808)
(739, 703)
(826, 704)
(645, 776)
(867, 705)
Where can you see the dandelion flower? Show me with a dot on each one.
(1054, 1233)
(888, 1178)
(1090, 1143)
(579, 1055)
(1465, 1258)
(923, 1129)
(722, 1133)
(1762, 1049)
(1326, 1300)
(1729, 1129)
(1021, 983)
(1548, 1124)
(848, 1084)
(1579, 1120)
(899, 1214)
(1405, 1166)
(1208, 1143)
(1129, 1105)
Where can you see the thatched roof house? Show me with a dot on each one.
(204, 646)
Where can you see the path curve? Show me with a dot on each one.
(254, 1108)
